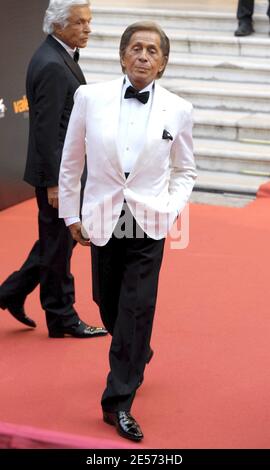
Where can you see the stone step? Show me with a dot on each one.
(230, 183)
(232, 125)
(211, 95)
(250, 97)
(191, 42)
(176, 20)
(216, 68)
(220, 198)
(250, 157)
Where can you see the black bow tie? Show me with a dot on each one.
(133, 93)
(76, 55)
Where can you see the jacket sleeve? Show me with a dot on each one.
(73, 159)
(50, 94)
(183, 168)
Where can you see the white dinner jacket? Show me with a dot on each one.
(159, 185)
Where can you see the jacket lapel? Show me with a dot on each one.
(110, 124)
(72, 65)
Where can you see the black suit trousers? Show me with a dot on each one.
(128, 272)
(245, 9)
(47, 264)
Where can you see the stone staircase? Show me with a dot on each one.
(227, 79)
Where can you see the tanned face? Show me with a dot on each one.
(143, 58)
(76, 33)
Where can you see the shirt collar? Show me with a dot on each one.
(69, 50)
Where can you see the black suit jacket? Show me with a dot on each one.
(52, 79)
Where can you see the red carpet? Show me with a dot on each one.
(208, 385)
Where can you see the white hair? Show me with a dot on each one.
(58, 12)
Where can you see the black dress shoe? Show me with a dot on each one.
(17, 311)
(245, 28)
(125, 424)
(80, 330)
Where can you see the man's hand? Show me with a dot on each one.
(75, 230)
(53, 196)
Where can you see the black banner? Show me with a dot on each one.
(118, 459)
(21, 33)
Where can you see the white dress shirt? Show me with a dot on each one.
(133, 121)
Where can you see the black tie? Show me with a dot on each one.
(133, 93)
(76, 55)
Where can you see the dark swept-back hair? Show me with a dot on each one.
(145, 26)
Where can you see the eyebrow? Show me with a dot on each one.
(80, 18)
(139, 43)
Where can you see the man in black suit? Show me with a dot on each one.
(52, 78)
(245, 11)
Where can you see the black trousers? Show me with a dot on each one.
(47, 264)
(245, 9)
(128, 272)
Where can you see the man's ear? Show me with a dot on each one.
(57, 29)
(122, 62)
(164, 63)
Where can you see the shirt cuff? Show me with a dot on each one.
(71, 220)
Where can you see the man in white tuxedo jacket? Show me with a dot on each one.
(138, 140)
